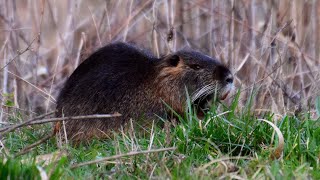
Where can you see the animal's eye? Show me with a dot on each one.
(195, 66)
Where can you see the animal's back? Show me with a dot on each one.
(102, 84)
(112, 67)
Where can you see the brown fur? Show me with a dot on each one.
(123, 78)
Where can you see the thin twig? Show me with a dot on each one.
(122, 155)
(134, 14)
(127, 24)
(219, 160)
(8, 22)
(33, 122)
(51, 99)
(31, 146)
(260, 80)
(20, 53)
(96, 116)
(13, 127)
(274, 70)
(95, 25)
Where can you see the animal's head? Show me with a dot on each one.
(204, 77)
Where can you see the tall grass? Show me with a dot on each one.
(223, 145)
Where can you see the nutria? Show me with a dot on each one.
(123, 78)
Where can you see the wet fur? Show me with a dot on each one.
(125, 79)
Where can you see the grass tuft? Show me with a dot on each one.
(227, 143)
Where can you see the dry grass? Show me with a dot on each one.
(272, 47)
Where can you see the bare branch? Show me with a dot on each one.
(13, 127)
(31, 146)
(134, 153)
(35, 121)
(20, 53)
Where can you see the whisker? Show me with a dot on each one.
(203, 91)
(198, 93)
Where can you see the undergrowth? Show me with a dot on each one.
(228, 143)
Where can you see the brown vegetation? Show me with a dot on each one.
(272, 47)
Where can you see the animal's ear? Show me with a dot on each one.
(173, 60)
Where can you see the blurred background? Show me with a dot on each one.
(271, 46)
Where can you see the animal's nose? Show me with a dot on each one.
(229, 79)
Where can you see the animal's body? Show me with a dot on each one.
(123, 78)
